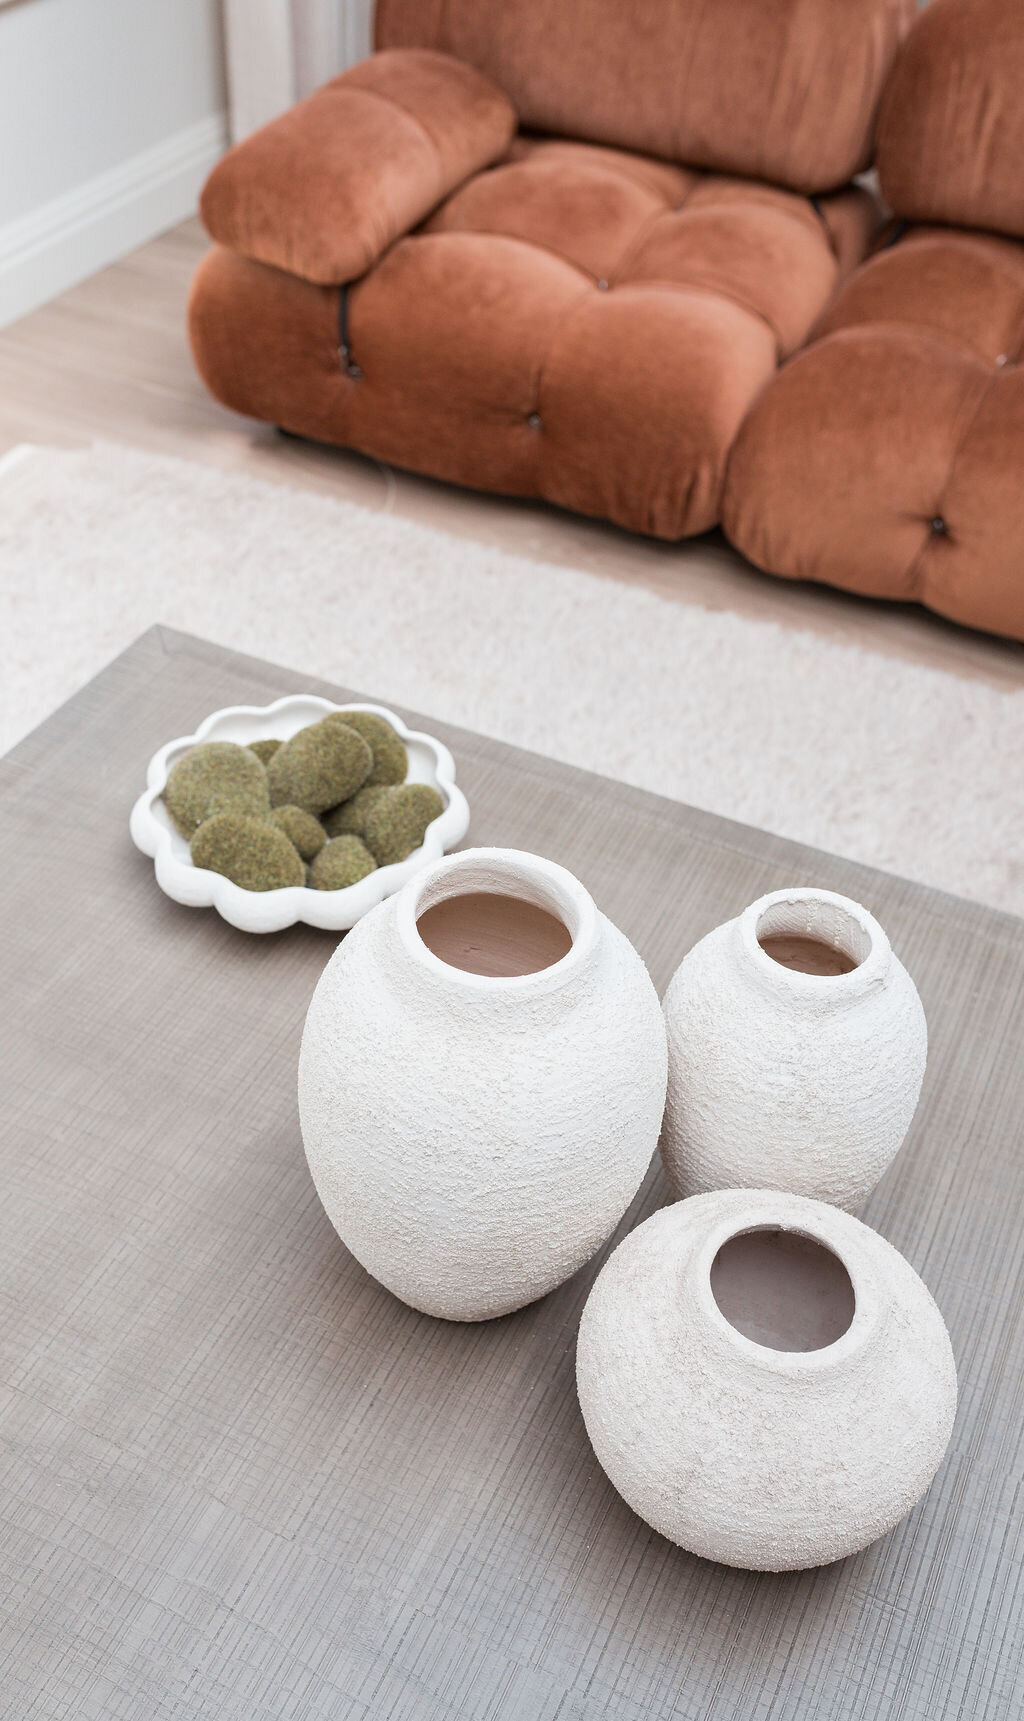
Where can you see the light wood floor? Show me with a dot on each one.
(110, 359)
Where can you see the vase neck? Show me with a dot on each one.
(813, 947)
(790, 1227)
(540, 940)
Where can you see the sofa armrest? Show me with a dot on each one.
(326, 188)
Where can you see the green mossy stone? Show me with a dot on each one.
(264, 750)
(321, 765)
(390, 759)
(302, 830)
(397, 825)
(250, 852)
(344, 861)
(350, 818)
(215, 777)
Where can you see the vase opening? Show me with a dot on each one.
(782, 1289)
(497, 936)
(814, 937)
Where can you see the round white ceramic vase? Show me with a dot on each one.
(784, 1078)
(481, 1083)
(765, 1380)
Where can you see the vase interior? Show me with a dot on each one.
(784, 1290)
(826, 941)
(498, 936)
(806, 955)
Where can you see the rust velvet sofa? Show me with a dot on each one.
(561, 248)
(551, 248)
(888, 457)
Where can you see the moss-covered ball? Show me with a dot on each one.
(302, 830)
(215, 777)
(251, 852)
(350, 818)
(390, 759)
(398, 823)
(264, 750)
(344, 860)
(321, 765)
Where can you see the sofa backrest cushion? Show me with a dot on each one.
(783, 90)
(951, 125)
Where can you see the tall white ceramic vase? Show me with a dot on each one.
(784, 1078)
(475, 1136)
(764, 1379)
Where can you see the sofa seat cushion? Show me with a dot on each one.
(628, 220)
(966, 288)
(577, 323)
(887, 457)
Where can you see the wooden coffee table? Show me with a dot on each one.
(239, 1480)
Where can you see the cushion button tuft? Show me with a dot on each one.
(534, 421)
(602, 285)
(938, 526)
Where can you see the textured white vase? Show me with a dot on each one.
(785, 1079)
(475, 1136)
(738, 1449)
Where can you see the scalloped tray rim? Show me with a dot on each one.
(273, 910)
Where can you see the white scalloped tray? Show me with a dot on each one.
(271, 910)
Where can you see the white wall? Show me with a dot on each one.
(111, 114)
(280, 50)
(358, 36)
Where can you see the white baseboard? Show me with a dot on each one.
(84, 229)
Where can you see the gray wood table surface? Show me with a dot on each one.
(240, 1480)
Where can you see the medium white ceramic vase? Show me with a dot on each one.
(481, 1083)
(765, 1380)
(797, 1046)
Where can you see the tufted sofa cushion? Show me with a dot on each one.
(950, 141)
(326, 188)
(783, 90)
(577, 323)
(887, 457)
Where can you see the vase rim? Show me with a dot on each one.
(501, 872)
(773, 1210)
(870, 944)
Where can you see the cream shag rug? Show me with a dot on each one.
(904, 767)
